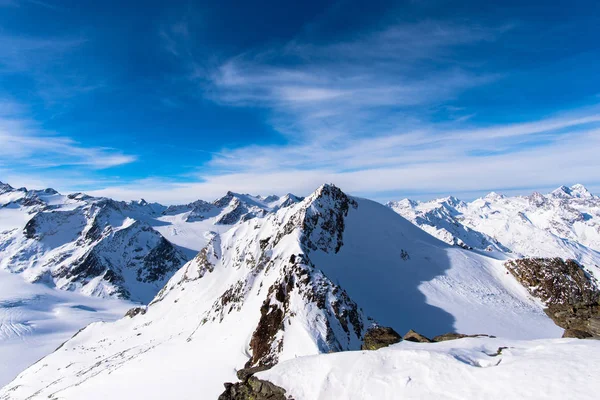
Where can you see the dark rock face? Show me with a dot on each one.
(554, 280)
(233, 216)
(380, 336)
(580, 317)
(160, 262)
(322, 220)
(574, 333)
(135, 311)
(571, 293)
(413, 336)
(271, 321)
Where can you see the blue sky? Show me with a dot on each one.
(186, 100)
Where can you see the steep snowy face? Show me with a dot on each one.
(301, 281)
(564, 223)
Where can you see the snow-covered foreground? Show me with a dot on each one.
(35, 319)
(457, 369)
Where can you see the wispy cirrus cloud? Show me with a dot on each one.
(416, 163)
(25, 145)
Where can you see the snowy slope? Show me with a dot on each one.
(36, 319)
(564, 223)
(307, 279)
(458, 369)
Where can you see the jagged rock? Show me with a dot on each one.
(253, 389)
(132, 312)
(575, 333)
(571, 293)
(245, 373)
(413, 336)
(380, 336)
(581, 316)
(554, 280)
(454, 336)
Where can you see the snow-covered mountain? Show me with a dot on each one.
(303, 280)
(107, 248)
(564, 223)
(96, 247)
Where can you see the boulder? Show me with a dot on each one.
(413, 336)
(252, 388)
(380, 336)
(454, 336)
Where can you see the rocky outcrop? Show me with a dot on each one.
(569, 291)
(454, 336)
(252, 388)
(583, 317)
(574, 333)
(413, 336)
(380, 336)
(132, 312)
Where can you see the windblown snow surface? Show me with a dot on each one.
(457, 369)
(36, 319)
(325, 269)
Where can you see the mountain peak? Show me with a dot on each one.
(5, 187)
(494, 196)
(577, 191)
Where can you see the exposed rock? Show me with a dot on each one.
(454, 336)
(252, 388)
(380, 336)
(569, 291)
(245, 373)
(581, 316)
(554, 280)
(575, 333)
(413, 336)
(135, 311)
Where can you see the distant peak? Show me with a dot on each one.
(225, 200)
(493, 196)
(404, 203)
(5, 187)
(271, 198)
(453, 201)
(577, 191)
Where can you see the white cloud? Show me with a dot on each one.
(24, 145)
(417, 162)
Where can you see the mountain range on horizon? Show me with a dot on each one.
(248, 281)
